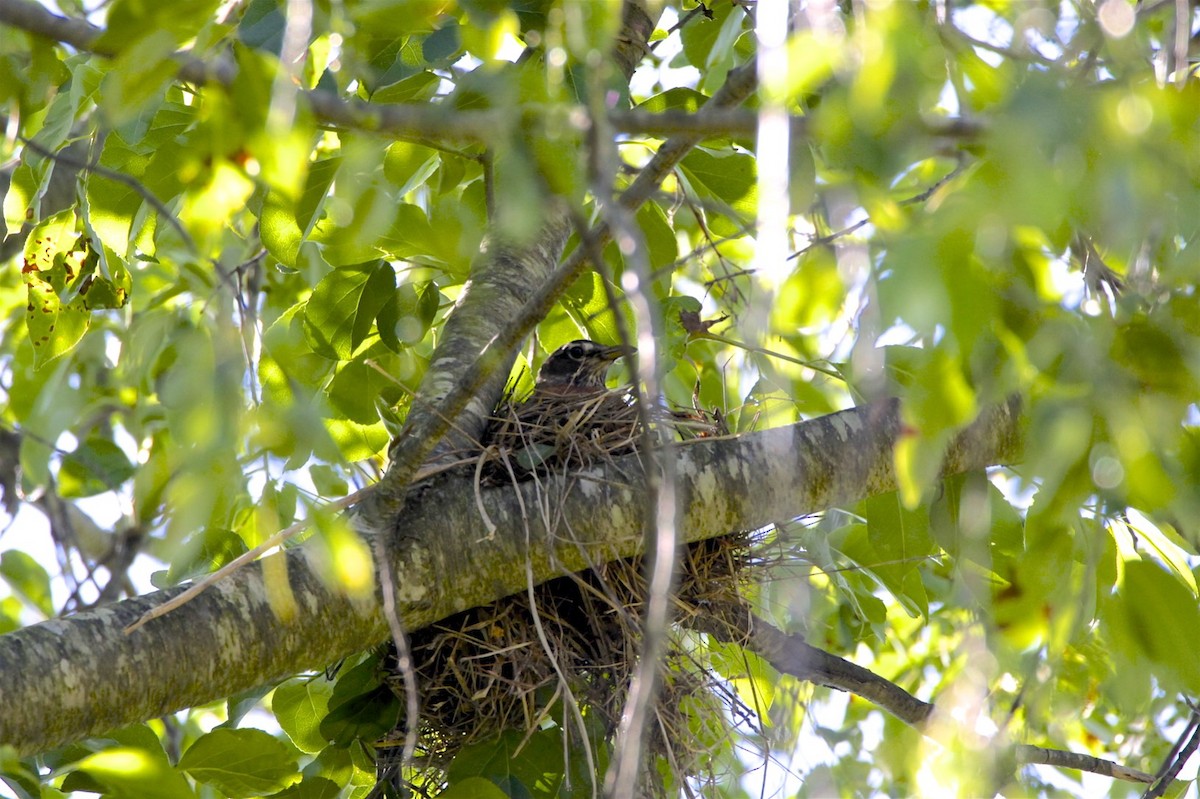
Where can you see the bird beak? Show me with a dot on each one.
(614, 352)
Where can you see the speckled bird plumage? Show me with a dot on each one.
(577, 367)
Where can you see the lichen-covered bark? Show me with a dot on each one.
(500, 283)
(72, 677)
(79, 675)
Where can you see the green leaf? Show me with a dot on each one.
(678, 334)
(409, 165)
(708, 45)
(299, 705)
(57, 316)
(474, 787)
(262, 25)
(587, 303)
(241, 763)
(413, 89)
(443, 45)
(700, 37)
(939, 401)
(112, 205)
(285, 224)
(57, 123)
(23, 200)
(408, 315)
(360, 708)
(661, 244)
(411, 236)
(22, 197)
(279, 229)
(97, 465)
(343, 307)
(129, 20)
(311, 788)
(902, 543)
(138, 76)
(316, 187)
(679, 98)
(725, 179)
(27, 577)
(21, 777)
(357, 385)
(328, 481)
(1154, 617)
(1172, 557)
(539, 764)
(241, 703)
(127, 772)
(289, 360)
(356, 441)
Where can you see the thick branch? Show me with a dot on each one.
(78, 676)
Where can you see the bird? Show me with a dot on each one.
(577, 368)
(570, 418)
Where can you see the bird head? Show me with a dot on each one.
(580, 365)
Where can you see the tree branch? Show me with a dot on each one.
(72, 677)
(1039, 755)
(430, 120)
(792, 655)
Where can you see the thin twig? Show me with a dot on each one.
(829, 238)
(791, 654)
(90, 166)
(1183, 749)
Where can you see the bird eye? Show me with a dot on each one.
(576, 351)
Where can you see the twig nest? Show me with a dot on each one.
(576, 430)
(516, 663)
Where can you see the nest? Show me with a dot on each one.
(515, 663)
(577, 430)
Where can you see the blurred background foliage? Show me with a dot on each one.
(215, 303)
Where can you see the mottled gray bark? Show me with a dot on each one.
(78, 676)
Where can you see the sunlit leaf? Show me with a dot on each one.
(27, 577)
(1153, 614)
(57, 314)
(299, 705)
(343, 307)
(241, 762)
(126, 772)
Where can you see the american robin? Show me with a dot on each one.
(571, 417)
(576, 368)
